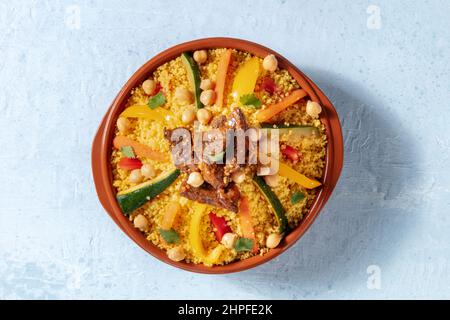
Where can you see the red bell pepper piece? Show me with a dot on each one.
(220, 225)
(290, 153)
(269, 85)
(158, 88)
(130, 164)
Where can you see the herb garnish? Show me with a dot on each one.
(250, 100)
(243, 244)
(157, 100)
(128, 152)
(170, 236)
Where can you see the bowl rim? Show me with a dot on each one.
(101, 152)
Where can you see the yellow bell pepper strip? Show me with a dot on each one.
(272, 110)
(195, 240)
(214, 256)
(286, 171)
(222, 71)
(246, 223)
(141, 150)
(245, 79)
(143, 111)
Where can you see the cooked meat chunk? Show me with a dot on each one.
(226, 198)
(237, 120)
(219, 122)
(213, 174)
(213, 146)
(218, 189)
(180, 143)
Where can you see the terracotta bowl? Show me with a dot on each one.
(102, 146)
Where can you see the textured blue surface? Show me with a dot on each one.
(385, 65)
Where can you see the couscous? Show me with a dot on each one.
(217, 156)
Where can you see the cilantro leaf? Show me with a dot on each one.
(157, 100)
(250, 100)
(128, 152)
(297, 197)
(170, 236)
(243, 244)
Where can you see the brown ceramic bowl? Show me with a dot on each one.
(101, 152)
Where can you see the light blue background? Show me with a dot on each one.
(391, 89)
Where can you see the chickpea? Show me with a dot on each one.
(206, 84)
(270, 63)
(148, 171)
(273, 240)
(200, 56)
(229, 239)
(204, 116)
(176, 253)
(183, 95)
(135, 176)
(123, 124)
(238, 176)
(313, 109)
(140, 222)
(208, 97)
(149, 86)
(272, 180)
(195, 179)
(188, 116)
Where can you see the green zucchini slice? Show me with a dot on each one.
(193, 76)
(274, 202)
(135, 197)
(296, 130)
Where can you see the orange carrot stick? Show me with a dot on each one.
(246, 222)
(270, 111)
(140, 149)
(222, 70)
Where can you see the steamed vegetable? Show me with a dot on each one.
(220, 225)
(269, 85)
(135, 197)
(222, 71)
(193, 76)
(286, 171)
(272, 110)
(245, 79)
(274, 202)
(195, 239)
(130, 164)
(246, 222)
(143, 111)
(290, 153)
(296, 131)
(141, 150)
(170, 213)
